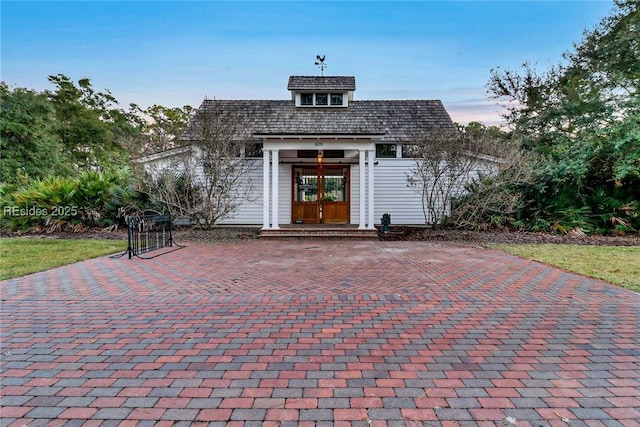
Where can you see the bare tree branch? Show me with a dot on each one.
(209, 181)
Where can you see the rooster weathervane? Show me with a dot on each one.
(320, 63)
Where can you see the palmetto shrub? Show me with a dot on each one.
(53, 204)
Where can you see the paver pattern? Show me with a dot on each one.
(318, 333)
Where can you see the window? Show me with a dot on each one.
(307, 154)
(306, 99)
(333, 154)
(409, 151)
(386, 150)
(253, 150)
(322, 99)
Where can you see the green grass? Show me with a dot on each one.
(25, 256)
(619, 265)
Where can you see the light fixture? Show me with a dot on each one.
(319, 157)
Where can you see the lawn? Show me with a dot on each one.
(24, 256)
(619, 265)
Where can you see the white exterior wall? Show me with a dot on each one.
(284, 193)
(355, 195)
(250, 211)
(393, 196)
(391, 192)
(404, 203)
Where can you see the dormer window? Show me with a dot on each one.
(306, 99)
(322, 99)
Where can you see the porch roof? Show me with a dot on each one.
(392, 120)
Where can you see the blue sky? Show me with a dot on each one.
(178, 53)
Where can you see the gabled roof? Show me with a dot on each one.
(322, 83)
(391, 120)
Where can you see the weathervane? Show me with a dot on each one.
(320, 63)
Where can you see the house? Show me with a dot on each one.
(323, 157)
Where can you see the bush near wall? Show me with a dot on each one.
(94, 199)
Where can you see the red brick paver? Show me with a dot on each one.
(318, 333)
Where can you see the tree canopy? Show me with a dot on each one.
(29, 136)
(73, 128)
(583, 117)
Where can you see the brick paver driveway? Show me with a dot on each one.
(342, 333)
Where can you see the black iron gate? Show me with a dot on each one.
(149, 233)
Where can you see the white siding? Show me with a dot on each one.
(393, 196)
(355, 195)
(284, 194)
(403, 203)
(250, 211)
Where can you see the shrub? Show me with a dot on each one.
(54, 204)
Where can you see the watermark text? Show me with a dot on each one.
(37, 211)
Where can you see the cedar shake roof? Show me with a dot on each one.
(391, 120)
(339, 83)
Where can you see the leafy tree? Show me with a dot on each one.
(29, 140)
(583, 117)
(89, 123)
(163, 130)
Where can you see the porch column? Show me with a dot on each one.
(265, 188)
(274, 190)
(361, 223)
(371, 156)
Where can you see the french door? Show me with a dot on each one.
(320, 194)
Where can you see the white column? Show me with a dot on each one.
(265, 188)
(371, 156)
(274, 190)
(362, 170)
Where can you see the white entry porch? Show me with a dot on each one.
(282, 154)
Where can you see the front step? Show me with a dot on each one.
(318, 233)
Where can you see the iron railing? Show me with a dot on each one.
(149, 233)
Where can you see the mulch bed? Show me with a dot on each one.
(510, 237)
(428, 234)
(222, 234)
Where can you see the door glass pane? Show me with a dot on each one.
(306, 185)
(335, 185)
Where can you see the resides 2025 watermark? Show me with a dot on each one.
(37, 211)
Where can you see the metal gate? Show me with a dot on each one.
(149, 233)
